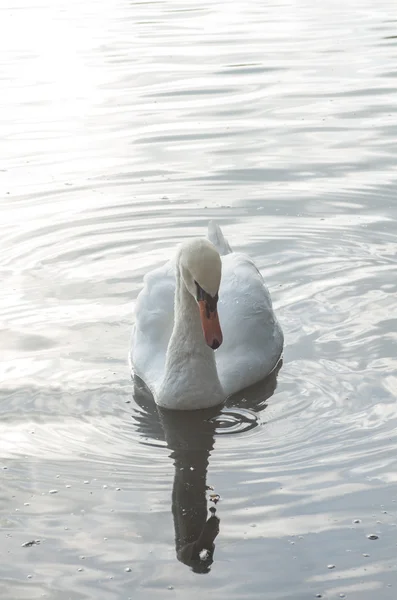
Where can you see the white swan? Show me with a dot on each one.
(177, 327)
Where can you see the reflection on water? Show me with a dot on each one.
(126, 126)
(191, 438)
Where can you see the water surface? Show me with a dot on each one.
(126, 127)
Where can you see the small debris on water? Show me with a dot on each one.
(215, 498)
(204, 554)
(373, 536)
(31, 543)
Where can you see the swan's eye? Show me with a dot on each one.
(210, 301)
(200, 293)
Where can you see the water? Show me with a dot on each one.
(125, 127)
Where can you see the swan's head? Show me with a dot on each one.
(201, 268)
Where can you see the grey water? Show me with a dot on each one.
(126, 126)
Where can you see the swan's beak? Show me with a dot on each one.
(210, 324)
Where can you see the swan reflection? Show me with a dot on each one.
(190, 437)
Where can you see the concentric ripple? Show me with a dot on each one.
(235, 421)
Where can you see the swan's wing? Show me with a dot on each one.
(252, 337)
(154, 321)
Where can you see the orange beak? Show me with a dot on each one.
(211, 326)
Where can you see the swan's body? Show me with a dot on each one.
(169, 351)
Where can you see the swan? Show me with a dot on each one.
(204, 326)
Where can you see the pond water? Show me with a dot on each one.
(126, 126)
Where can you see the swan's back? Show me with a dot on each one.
(154, 321)
(252, 337)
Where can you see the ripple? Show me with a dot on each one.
(134, 125)
(235, 421)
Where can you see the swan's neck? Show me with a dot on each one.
(190, 378)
